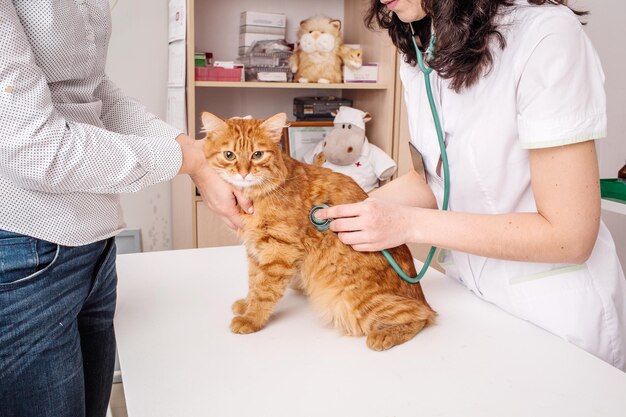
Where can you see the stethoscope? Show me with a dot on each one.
(324, 224)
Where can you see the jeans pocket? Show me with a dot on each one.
(23, 258)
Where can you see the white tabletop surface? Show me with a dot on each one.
(179, 358)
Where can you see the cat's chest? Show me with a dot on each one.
(285, 221)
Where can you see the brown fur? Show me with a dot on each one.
(319, 66)
(351, 57)
(357, 292)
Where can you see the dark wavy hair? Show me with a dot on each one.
(464, 30)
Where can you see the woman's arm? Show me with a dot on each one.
(564, 228)
(409, 190)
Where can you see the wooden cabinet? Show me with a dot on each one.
(213, 27)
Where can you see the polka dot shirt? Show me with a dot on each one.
(70, 140)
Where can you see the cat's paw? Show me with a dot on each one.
(243, 325)
(319, 160)
(323, 81)
(239, 307)
(381, 341)
(303, 80)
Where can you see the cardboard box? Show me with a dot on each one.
(278, 20)
(368, 73)
(263, 29)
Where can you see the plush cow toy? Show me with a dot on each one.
(345, 149)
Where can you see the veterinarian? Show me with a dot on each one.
(70, 141)
(519, 91)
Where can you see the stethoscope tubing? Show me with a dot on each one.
(322, 225)
(444, 160)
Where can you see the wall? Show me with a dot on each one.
(605, 26)
(137, 62)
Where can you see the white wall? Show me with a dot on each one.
(607, 30)
(137, 62)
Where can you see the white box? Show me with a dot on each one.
(247, 39)
(368, 73)
(278, 20)
(262, 29)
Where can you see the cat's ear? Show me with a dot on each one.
(211, 123)
(367, 117)
(274, 125)
(336, 24)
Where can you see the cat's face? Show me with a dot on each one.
(319, 34)
(354, 58)
(245, 152)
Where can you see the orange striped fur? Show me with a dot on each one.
(356, 292)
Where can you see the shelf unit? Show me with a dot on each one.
(209, 28)
(293, 86)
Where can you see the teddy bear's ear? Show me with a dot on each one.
(336, 24)
(367, 117)
(274, 125)
(211, 123)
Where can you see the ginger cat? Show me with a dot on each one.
(316, 58)
(357, 292)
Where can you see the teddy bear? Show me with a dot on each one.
(346, 149)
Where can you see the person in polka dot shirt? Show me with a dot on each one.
(70, 142)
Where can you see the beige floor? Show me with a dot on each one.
(118, 401)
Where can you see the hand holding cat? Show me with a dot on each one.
(371, 225)
(218, 195)
(222, 198)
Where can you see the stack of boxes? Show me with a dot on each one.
(257, 26)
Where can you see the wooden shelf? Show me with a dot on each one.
(316, 86)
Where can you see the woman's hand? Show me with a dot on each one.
(218, 195)
(371, 225)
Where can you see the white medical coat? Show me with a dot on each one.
(545, 89)
(373, 165)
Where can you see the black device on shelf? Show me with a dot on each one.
(318, 108)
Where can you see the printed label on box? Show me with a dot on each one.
(368, 73)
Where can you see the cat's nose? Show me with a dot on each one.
(243, 174)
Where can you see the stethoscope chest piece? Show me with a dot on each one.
(320, 224)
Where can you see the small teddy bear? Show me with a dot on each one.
(345, 149)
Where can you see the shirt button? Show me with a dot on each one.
(90, 37)
(80, 1)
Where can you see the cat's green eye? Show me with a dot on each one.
(229, 155)
(257, 155)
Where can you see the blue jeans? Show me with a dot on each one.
(57, 347)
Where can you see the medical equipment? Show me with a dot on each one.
(322, 225)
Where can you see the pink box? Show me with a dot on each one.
(218, 74)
